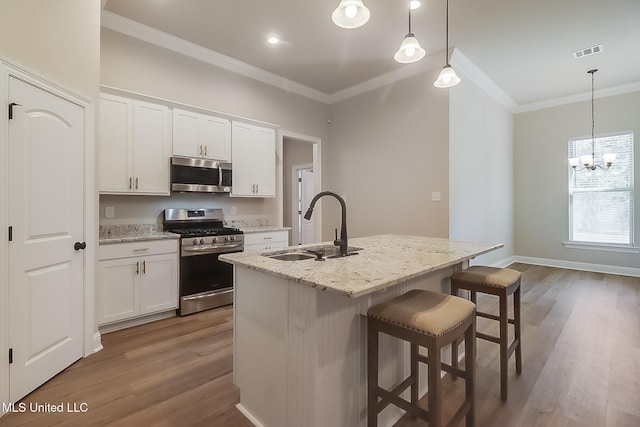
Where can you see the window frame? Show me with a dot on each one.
(603, 246)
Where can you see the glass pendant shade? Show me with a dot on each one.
(447, 77)
(409, 51)
(609, 158)
(350, 14)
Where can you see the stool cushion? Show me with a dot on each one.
(489, 276)
(431, 313)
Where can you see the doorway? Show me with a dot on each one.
(302, 230)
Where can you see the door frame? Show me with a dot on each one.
(294, 198)
(91, 336)
(317, 175)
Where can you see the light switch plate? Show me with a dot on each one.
(109, 212)
(435, 196)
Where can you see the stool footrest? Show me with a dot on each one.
(488, 337)
(512, 347)
(401, 403)
(444, 367)
(460, 413)
(493, 317)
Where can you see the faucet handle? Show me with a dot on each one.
(336, 241)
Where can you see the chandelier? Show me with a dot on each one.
(589, 161)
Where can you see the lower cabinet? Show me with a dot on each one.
(136, 279)
(264, 241)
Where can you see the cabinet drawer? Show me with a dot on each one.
(141, 248)
(266, 237)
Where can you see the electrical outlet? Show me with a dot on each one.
(298, 319)
(109, 212)
(435, 196)
(234, 210)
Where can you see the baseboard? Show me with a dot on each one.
(582, 266)
(97, 342)
(248, 415)
(111, 327)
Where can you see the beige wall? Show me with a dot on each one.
(137, 66)
(59, 41)
(388, 151)
(481, 170)
(541, 174)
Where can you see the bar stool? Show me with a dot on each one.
(425, 319)
(500, 282)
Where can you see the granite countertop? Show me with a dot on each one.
(133, 233)
(384, 261)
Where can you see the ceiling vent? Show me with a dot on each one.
(587, 51)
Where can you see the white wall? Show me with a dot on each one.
(480, 170)
(136, 66)
(60, 42)
(388, 151)
(541, 175)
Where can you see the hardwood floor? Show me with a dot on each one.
(580, 354)
(174, 372)
(581, 365)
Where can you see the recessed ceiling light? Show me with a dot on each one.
(273, 40)
(414, 4)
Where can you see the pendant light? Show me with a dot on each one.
(350, 14)
(447, 77)
(410, 50)
(589, 161)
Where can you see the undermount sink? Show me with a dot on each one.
(331, 251)
(292, 256)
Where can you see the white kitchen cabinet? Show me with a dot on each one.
(134, 146)
(264, 241)
(201, 135)
(253, 150)
(135, 279)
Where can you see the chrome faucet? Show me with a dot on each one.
(342, 241)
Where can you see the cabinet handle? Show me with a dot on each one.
(205, 150)
(130, 183)
(257, 188)
(201, 150)
(144, 267)
(137, 267)
(136, 182)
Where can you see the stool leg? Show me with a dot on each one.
(435, 398)
(504, 344)
(470, 371)
(414, 374)
(372, 375)
(516, 324)
(454, 344)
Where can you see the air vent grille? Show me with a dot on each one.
(588, 51)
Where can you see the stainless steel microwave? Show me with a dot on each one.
(200, 175)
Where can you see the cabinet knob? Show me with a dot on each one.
(79, 245)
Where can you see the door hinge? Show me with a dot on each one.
(10, 355)
(299, 179)
(11, 105)
(11, 233)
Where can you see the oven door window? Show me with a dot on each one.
(203, 273)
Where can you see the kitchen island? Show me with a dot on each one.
(300, 329)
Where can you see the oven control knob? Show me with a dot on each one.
(195, 241)
(201, 241)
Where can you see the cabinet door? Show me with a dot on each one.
(118, 289)
(242, 159)
(186, 139)
(159, 283)
(151, 143)
(215, 137)
(115, 150)
(264, 165)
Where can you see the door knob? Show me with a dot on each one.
(77, 245)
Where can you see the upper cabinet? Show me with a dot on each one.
(254, 160)
(134, 146)
(201, 135)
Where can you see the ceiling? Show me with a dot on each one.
(524, 46)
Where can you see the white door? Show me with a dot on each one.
(46, 213)
(306, 194)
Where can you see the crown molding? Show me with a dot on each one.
(586, 96)
(159, 38)
(428, 63)
(471, 71)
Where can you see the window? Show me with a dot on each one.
(601, 201)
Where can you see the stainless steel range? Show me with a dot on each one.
(205, 281)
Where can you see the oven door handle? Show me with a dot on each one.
(205, 248)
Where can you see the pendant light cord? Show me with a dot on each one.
(446, 49)
(410, 21)
(593, 117)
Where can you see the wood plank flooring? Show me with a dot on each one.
(580, 354)
(581, 365)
